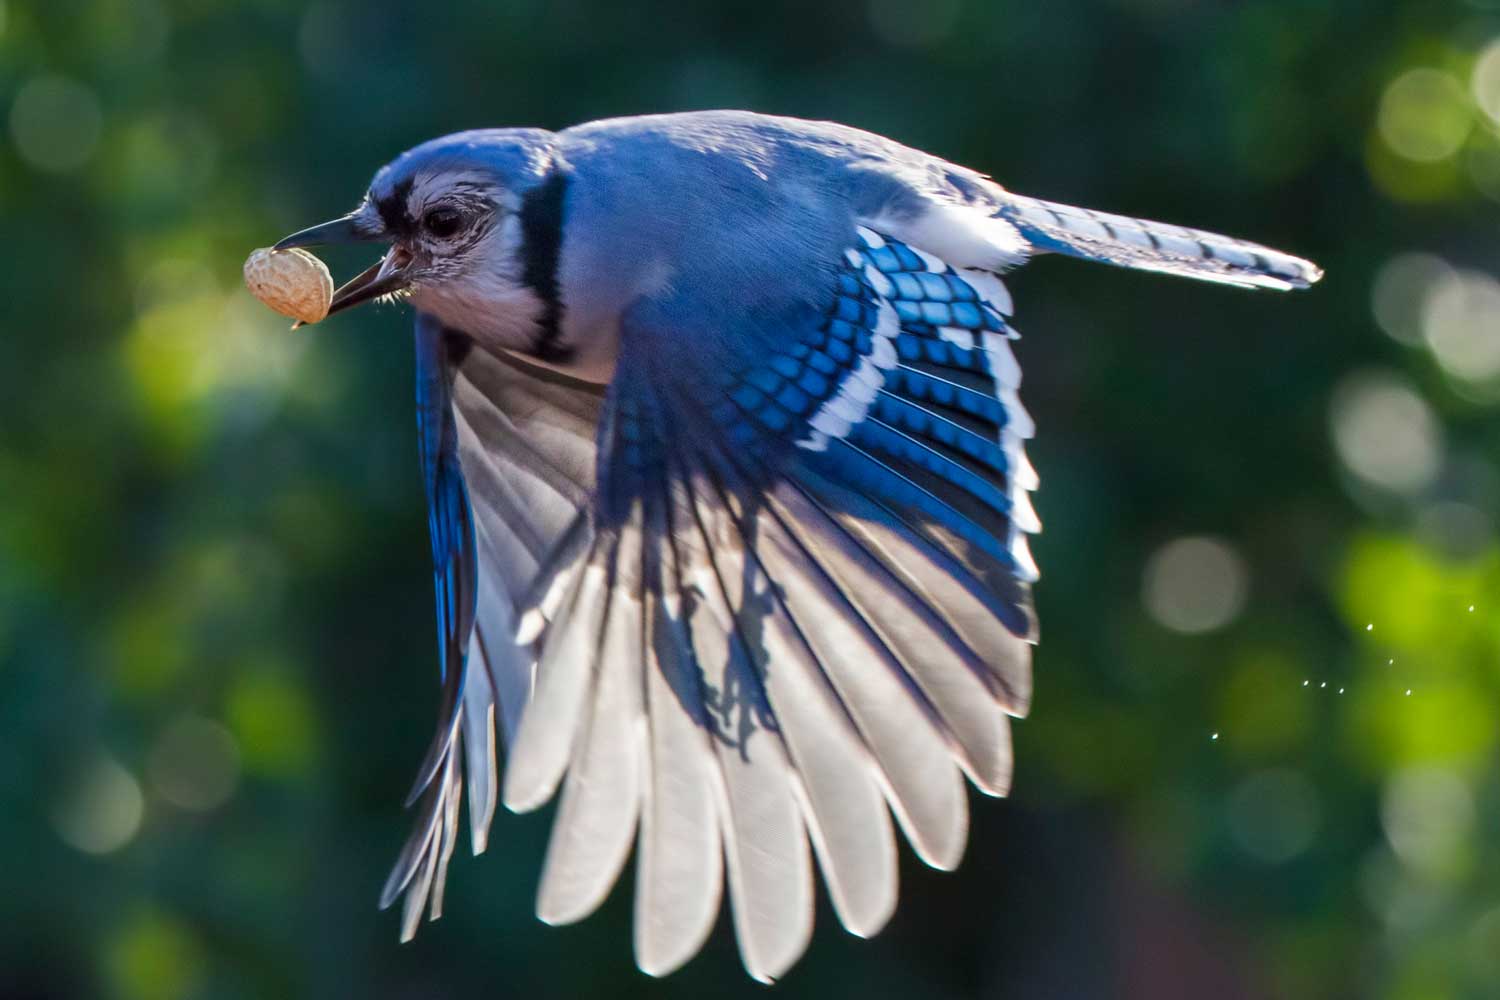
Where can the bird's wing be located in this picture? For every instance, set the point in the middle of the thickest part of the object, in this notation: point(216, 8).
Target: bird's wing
point(803, 605)
point(508, 456)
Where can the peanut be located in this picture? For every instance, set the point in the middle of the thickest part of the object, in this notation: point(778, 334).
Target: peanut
point(293, 282)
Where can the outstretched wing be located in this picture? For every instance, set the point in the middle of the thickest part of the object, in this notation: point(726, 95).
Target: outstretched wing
point(508, 456)
point(803, 606)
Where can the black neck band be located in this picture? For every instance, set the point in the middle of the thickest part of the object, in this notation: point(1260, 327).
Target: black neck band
point(541, 247)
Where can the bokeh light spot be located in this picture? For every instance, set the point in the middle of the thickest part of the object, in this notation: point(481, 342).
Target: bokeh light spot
point(102, 809)
point(1395, 896)
point(1485, 81)
point(1425, 115)
point(273, 722)
point(147, 644)
point(1461, 323)
point(1419, 615)
point(154, 957)
point(165, 159)
point(1427, 813)
point(1398, 298)
point(1274, 815)
point(172, 280)
point(56, 123)
point(194, 764)
point(1261, 706)
point(1385, 433)
point(1195, 585)
point(193, 358)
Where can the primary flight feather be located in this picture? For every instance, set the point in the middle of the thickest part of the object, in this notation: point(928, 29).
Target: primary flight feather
point(724, 456)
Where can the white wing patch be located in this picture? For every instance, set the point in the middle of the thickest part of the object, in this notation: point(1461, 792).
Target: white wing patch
point(962, 235)
point(838, 416)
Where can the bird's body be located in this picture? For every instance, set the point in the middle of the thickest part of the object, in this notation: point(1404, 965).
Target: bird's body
point(722, 441)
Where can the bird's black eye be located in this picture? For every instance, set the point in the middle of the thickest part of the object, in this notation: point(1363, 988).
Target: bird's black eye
point(443, 222)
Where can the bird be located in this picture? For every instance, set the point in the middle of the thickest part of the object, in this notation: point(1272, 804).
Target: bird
point(724, 455)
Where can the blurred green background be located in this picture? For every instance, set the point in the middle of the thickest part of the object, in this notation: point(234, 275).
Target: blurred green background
point(1263, 759)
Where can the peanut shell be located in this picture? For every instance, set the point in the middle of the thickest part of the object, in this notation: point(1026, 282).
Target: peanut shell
point(293, 282)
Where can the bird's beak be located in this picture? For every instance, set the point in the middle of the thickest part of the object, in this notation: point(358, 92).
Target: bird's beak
point(348, 229)
point(384, 277)
point(390, 274)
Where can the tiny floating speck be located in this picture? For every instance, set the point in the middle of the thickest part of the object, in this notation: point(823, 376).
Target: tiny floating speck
point(1306, 683)
point(1215, 736)
point(1408, 692)
point(1370, 627)
point(1324, 684)
point(1471, 607)
point(1341, 690)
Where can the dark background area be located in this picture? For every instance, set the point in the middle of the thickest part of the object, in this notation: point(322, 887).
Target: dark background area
point(217, 666)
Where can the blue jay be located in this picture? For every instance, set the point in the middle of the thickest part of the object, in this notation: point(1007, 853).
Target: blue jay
point(729, 502)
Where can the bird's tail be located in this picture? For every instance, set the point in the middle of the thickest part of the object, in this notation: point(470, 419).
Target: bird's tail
point(1154, 246)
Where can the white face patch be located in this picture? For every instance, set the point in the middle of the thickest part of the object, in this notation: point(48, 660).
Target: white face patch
point(459, 186)
point(481, 292)
point(472, 280)
point(478, 203)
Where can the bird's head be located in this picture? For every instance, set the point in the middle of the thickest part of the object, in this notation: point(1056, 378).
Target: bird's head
point(452, 212)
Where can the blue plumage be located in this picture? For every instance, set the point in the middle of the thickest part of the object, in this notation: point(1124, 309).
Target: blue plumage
point(449, 517)
point(724, 454)
point(455, 567)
